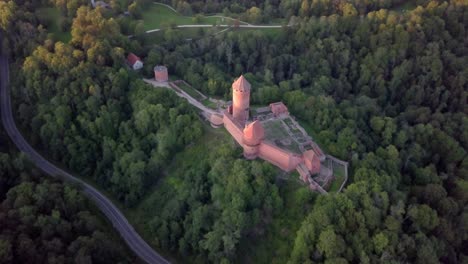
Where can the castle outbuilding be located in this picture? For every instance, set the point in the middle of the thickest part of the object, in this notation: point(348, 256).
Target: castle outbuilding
point(160, 73)
point(134, 61)
point(279, 109)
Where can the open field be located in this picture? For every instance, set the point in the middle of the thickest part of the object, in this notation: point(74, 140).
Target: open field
point(184, 33)
point(160, 16)
point(52, 18)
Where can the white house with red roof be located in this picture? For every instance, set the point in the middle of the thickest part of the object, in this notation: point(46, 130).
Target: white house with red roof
point(134, 61)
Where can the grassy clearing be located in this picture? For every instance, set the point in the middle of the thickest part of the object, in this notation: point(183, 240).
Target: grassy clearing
point(209, 104)
point(160, 16)
point(276, 244)
point(52, 19)
point(290, 124)
point(406, 6)
point(190, 90)
point(338, 172)
point(183, 33)
point(275, 132)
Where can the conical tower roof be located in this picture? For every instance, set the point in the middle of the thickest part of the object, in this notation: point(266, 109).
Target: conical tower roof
point(254, 133)
point(241, 84)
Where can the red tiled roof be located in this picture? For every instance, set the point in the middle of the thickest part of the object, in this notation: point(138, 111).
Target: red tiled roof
point(132, 59)
point(278, 108)
point(241, 84)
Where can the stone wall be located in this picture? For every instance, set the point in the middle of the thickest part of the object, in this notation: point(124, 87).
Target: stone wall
point(287, 161)
point(232, 127)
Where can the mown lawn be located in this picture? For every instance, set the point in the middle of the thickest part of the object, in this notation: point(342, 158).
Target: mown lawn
point(338, 172)
point(52, 19)
point(209, 104)
point(160, 16)
point(191, 91)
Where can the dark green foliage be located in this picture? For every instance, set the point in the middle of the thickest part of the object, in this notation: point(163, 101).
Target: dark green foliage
point(91, 114)
point(45, 221)
point(212, 201)
point(385, 91)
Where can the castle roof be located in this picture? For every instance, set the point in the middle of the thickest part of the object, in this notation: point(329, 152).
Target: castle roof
point(254, 133)
point(160, 68)
point(241, 84)
point(278, 108)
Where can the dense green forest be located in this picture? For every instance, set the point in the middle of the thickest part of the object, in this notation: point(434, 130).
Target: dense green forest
point(45, 221)
point(383, 89)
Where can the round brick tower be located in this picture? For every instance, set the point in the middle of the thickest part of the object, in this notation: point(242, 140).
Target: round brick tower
point(252, 138)
point(241, 100)
point(160, 73)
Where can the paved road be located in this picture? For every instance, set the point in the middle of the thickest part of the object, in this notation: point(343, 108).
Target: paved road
point(223, 26)
point(118, 220)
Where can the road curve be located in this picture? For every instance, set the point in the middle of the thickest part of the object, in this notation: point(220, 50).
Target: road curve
point(118, 220)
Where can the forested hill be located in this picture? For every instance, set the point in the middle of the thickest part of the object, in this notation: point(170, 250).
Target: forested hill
point(45, 221)
point(385, 90)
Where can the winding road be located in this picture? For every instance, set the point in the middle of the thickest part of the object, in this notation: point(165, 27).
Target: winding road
point(118, 220)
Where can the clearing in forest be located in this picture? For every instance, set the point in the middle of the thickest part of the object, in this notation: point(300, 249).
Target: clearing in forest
point(52, 19)
point(160, 16)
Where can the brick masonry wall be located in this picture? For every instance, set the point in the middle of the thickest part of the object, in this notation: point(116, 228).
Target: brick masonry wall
point(232, 128)
point(283, 159)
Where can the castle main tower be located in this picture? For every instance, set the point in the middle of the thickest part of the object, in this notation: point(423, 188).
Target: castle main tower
point(241, 100)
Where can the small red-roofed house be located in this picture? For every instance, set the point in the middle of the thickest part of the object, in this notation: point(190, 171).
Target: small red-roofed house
point(278, 108)
point(134, 61)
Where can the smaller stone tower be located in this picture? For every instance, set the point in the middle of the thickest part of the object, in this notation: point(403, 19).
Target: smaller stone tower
point(241, 100)
point(252, 138)
point(160, 73)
